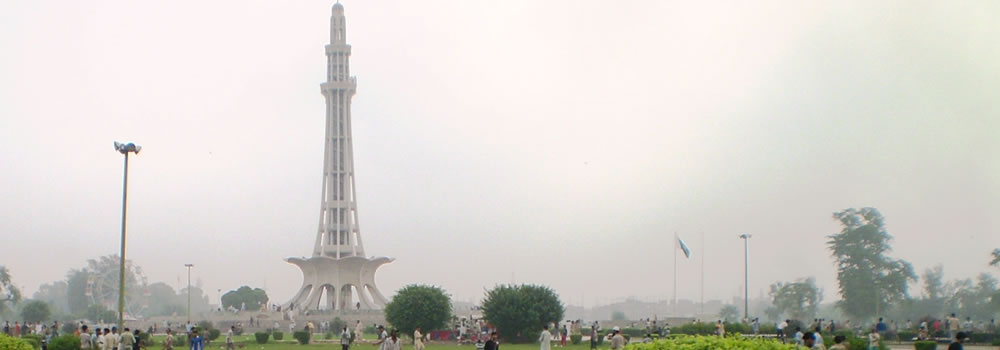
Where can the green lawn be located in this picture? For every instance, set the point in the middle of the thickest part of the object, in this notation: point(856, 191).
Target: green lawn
point(288, 344)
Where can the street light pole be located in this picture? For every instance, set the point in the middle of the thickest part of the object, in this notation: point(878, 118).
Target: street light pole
point(189, 266)
point(746, 276)
point(125, 149)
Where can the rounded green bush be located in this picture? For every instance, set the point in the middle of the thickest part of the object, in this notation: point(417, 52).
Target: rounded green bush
point(11, 343)
point(65, 342)
point(925, 345)
point(35, 340)
point(301, 336)
point(575, 338)
point(214, 334)
point(261, 337)
point(277, 335)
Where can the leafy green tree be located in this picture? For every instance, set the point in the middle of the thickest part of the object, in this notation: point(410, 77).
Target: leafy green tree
point(799, 300)
point(973, 298)
point(55, 295)
point(729, 313)
point(253, 298)
point(9, 294)
point(868, 279)
point(99, 313)
point(164, 301)
point(520, 311)
point(996, 258)
point(618, 315)
point(35, 311)
point(427, 307)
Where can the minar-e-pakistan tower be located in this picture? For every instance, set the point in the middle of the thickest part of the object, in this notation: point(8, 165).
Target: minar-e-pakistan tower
point(338, 266)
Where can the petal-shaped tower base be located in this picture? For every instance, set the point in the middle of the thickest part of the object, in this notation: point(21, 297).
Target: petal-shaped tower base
point(348, 283)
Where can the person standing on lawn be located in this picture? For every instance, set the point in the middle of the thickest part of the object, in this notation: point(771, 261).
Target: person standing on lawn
point(957, 344)
point(229, 339)
point(359, 330)
point(418, 339)
point(345, 339)
point(493, 343)
point(545, 338)
point(168, 341)
point(197, 343)
point(126, 340)
point(85, 340)
point(593, 337)
point(617, 340)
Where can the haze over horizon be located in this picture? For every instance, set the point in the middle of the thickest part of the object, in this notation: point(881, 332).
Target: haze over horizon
point(560, 143)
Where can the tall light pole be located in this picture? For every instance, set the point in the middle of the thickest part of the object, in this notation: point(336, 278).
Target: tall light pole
point(746, 275)
point(189, 266)
point(125, 149)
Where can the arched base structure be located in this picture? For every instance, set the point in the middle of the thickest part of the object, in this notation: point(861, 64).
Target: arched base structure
point(336, 277)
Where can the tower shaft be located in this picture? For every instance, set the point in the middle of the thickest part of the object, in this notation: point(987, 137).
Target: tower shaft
point(339, 234)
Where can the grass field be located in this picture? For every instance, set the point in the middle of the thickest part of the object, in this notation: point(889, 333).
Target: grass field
point(248, 343)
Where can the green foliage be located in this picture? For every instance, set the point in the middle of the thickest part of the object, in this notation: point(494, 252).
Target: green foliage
point(35, 311)
point(214, 334)
point(11, 343)
point(575, 338)
point(65, 342)
point(729, 313)
point(204, 325)
point(925, 345)
point(34, 339)
point(277, 335)
point(996, 257)
point(301, 336)
point(695, 328)
point(252, 297)
point(338, 324)
point(97, 313)
point(328, 335)
point(711, 343)
point(261, 337)
point(427, 307)
point(8, 291)
point(520, 311)
point(618, 315)
point(799, 300)
point(68, 327)
point(869, 280)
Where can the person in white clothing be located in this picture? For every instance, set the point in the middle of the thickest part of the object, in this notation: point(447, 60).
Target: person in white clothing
point(545, 339)
point(392, 342)
point(418, 340)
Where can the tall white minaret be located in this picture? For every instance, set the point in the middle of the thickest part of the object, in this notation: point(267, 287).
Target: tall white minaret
point(339, 234)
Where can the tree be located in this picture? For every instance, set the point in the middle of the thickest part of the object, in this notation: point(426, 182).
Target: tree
point(729, 312)
point(252, 298)
point(973, 298)
point(426, 307)
point(799, 300)
point(618, 315)
point(35, 311)
point(55, 295)
point(868, 279)
point(996, 258)
point(8, 291)
point(519, 311)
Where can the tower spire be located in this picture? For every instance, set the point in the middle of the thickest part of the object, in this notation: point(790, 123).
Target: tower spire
point(339, 234)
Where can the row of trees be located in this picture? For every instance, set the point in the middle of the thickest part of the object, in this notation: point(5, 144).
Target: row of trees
point(518, 311)
point(872, 284)
point(91, 291)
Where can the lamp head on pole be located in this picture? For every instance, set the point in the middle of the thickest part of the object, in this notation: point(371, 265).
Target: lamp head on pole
point(125, 148)
point(746, 236)
point(189, 265)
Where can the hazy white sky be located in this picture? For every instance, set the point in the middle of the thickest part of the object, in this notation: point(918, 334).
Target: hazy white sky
point(553, 142)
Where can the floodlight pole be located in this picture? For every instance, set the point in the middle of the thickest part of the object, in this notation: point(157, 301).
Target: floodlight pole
point(124, 149)
point(189, 266)
point(746, 276)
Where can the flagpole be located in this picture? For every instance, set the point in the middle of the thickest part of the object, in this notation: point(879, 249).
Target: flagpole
point(703, 251)
point(675, 274)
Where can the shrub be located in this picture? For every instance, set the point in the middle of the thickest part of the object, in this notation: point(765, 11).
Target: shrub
point(214, 334)
point(11, 343)
point(418, 306)
point(518, 311)
point(69, 327)
point(925, 345)
point(262, 337)
point(702, 342)
point(35, 340)
point(370, 330)
point(575, 338)
point(301, 336)
point(65, 342)
point(337, 324)
point(277, 335)
point(204, 325)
